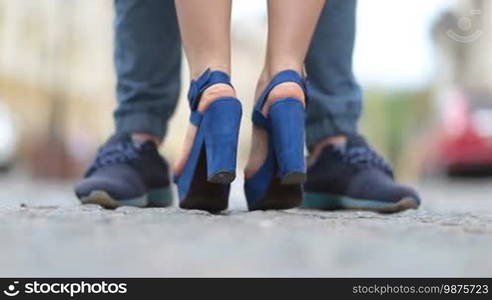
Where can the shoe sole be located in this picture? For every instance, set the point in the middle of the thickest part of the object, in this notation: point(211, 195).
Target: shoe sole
point(294, 178)
point(162, 197)
point(155, 198)
point(334, 202)
point(205, 194)
point(222, 177)
point(279, 196)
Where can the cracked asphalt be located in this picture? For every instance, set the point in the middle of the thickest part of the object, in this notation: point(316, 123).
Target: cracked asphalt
point(44, 232)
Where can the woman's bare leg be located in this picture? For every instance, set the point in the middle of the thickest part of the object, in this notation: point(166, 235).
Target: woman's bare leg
point(291, 24)
point(205, 31)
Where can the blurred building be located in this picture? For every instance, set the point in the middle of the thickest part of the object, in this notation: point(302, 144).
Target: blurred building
point(56, 72)
point(57, 79)
point(57, 47)
point(463, 40)
point(462, 143)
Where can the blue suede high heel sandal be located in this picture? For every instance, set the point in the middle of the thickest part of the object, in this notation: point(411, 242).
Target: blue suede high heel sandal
point(278, 182)
point(205, 180)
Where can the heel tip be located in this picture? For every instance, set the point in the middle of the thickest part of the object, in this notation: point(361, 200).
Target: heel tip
point(222, 177)
point(293, 178)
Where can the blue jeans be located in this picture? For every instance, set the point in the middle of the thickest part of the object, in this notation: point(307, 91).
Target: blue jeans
point(148, 60)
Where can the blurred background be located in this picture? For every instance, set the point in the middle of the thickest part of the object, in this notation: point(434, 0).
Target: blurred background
point(425, 67)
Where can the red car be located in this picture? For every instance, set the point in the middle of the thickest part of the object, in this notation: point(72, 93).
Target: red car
point(464, 142)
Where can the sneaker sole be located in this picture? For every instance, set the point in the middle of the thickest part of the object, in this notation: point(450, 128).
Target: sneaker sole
point(334, 202)
point(155, 198)
point(160, 197)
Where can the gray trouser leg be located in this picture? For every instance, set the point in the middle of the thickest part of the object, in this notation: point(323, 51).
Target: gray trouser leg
point(147, 60)
point(335, 96)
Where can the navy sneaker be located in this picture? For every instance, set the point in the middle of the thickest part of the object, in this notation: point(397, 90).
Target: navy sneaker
point(353, 176)
point(126, 173)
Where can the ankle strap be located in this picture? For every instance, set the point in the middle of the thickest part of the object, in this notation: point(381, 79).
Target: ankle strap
point(281, 77)
point(204, 81)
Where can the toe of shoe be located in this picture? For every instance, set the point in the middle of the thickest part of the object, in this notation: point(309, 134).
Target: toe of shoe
point(376, 185)
point(403, 192)
point(116, 189)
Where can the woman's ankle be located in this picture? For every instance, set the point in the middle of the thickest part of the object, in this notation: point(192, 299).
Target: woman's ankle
point(199, 69)
point(213, 93)
point(281, 91)
point(272, 69)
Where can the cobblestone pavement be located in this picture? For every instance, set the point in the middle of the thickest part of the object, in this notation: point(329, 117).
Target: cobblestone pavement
point(44, 232)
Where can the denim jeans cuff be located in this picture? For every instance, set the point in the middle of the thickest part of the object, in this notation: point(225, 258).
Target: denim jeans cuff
point(318, 131)
point(142, 122)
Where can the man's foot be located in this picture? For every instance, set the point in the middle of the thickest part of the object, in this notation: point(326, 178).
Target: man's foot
point(352, 176)
point(126, 172)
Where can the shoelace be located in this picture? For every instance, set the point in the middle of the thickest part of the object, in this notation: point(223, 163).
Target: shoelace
point(120, 152)
point(362, 157)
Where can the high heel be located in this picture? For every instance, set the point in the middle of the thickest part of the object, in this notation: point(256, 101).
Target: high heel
point(205, 180)
point(278, 182)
